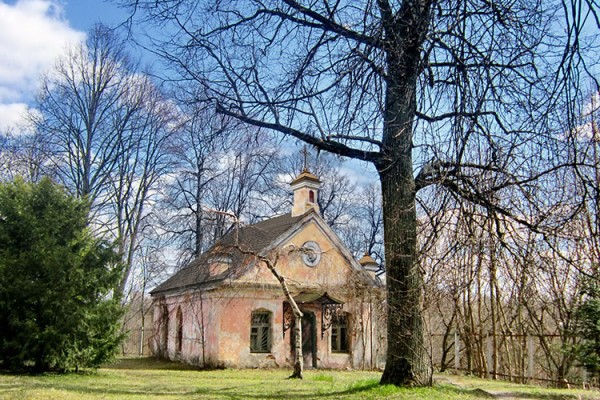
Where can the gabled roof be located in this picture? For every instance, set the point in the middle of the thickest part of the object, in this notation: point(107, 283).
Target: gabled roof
point(252, 238)
point(256, 237)
point(240, 246)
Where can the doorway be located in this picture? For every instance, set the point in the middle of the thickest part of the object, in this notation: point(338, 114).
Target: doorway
point(309, 340)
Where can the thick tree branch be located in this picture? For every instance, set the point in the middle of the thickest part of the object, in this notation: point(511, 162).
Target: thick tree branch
point(322, 144)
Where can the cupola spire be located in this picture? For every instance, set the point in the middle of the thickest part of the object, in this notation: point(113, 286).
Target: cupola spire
point(306, 190)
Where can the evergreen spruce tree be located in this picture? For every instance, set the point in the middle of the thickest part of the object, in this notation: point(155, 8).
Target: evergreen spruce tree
point(588, 327)
point(57, 312)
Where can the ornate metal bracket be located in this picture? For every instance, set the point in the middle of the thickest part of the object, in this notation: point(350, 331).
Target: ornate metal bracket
point(288, 316)
point(328, 312)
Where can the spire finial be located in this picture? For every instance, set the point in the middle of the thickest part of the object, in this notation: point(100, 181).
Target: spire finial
point(304, 152)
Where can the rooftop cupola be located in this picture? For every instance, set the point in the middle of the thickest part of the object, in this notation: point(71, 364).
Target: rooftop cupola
point(369, 264)
point(306, 193)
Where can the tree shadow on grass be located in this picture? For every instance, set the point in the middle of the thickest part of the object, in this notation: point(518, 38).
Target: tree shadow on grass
point(269, 389)
point(361, 389)
point(539, 396)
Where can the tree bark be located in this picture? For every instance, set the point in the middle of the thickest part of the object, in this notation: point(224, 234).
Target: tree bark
point(406, 357)
point(299, 357)
point(407, 361)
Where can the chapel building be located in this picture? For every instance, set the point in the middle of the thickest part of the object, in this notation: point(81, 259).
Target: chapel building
point(226, 308)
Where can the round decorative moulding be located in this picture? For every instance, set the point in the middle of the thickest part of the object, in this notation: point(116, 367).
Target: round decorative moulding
point(311, 253)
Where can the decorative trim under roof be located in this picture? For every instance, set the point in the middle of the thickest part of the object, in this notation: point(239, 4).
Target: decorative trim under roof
point(316, 298)
point(305, 175)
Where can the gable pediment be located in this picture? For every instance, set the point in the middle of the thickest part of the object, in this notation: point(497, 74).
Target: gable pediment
point(293, 251)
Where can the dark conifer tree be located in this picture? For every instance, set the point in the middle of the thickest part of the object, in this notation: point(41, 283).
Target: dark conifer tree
point(56, 281)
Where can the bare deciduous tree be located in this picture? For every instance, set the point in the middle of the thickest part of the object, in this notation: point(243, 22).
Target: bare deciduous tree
point(102, 128)
point(144, 159)
point(455, 95)
point(219, 165)
point(85, 109)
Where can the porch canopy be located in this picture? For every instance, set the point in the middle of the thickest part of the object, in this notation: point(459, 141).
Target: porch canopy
point(330, 307)
point(322, 298)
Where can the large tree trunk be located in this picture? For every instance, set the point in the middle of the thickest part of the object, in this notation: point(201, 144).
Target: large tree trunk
point(407, 360)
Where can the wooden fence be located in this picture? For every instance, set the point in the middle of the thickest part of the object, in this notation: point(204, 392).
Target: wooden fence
point(517, 358)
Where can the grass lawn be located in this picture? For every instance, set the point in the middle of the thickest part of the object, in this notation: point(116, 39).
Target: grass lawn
point(506, 390)
point(149, 379)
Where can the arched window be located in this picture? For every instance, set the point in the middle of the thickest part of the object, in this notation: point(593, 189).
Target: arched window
point(179, 336)
point(339, 334)
point(260, 332)
point(311, 196)
point(165, 331)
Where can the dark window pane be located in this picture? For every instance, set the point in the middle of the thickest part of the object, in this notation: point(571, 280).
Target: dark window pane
point(260, 332)
point(339, 335)
point(343, 339)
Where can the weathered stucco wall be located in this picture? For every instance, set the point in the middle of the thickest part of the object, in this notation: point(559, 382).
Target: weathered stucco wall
point(216, 331)
point(234, 338)
point(200, 328)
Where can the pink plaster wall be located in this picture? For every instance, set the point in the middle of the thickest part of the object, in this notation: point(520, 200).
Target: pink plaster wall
point(227, 319)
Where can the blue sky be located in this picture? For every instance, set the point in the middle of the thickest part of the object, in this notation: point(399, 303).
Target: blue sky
point(33, 33)
point(82, 14)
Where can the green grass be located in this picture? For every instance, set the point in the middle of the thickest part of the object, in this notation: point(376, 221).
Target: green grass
point(150, 379)
point(507, 390)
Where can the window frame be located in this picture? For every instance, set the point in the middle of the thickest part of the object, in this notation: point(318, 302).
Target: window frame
point(340, 338)
point(260, 329)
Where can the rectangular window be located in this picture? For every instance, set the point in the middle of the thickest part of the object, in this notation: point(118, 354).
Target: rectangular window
point(260, 332)
point(339, 335)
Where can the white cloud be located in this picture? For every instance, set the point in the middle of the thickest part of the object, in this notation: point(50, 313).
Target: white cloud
point(33, 33)
point(591, 111)
point(592, 108)
point(11, 115)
